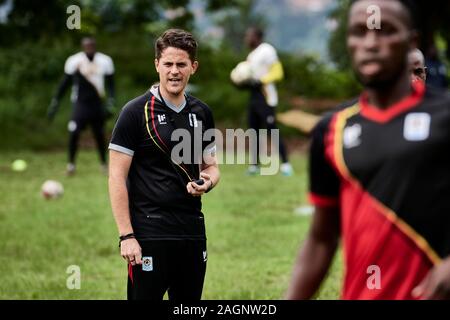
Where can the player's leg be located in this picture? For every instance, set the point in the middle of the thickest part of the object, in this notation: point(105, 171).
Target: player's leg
point(75, 127)
point(270, 123)
point(254, 123)
point(187, 270)
point(149, 281)
point(98, 125)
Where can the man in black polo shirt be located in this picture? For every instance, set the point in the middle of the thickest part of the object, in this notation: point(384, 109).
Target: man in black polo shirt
point(156, 199)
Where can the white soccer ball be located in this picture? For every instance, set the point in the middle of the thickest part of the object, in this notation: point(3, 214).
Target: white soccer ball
point(241, 73)
point(52, 189)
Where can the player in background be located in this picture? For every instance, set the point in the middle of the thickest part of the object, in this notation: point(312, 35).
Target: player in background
point(379, 174)
point(416, 61)
point(267, 70)
point(89, 72)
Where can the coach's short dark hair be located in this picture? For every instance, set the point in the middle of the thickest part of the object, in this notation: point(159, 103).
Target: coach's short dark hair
point(411, 6)
point(176, 38)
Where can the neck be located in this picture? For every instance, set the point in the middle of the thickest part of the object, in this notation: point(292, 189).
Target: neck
point(256, 45)
point(389, 95)
point(176, 100)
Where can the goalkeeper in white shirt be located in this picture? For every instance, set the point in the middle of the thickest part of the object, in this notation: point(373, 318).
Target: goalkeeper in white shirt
point(267, 70)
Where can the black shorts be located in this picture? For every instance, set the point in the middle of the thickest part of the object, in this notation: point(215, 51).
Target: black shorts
point(176, 266)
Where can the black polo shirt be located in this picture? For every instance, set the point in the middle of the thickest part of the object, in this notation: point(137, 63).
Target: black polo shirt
point(160, 206)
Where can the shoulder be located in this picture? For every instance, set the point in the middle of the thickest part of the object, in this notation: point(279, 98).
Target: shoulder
point(103, 57)
point(72, 62)
point(324, 123)
point(136, 105)
point(75, 57)
point(267, 46)
point(440, 97)
point(198, 105)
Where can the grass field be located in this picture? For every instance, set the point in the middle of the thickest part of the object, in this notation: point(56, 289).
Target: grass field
point(253, 233)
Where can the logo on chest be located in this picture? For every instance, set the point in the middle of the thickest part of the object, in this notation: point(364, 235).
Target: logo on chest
point(417, 126)
point(193, 120)
point(352, 136)
point(162, 119)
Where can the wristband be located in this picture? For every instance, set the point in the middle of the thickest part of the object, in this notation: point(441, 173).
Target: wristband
point(125, 237)
point(210, 187)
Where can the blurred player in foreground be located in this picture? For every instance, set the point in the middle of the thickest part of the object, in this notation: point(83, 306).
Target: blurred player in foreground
point(379, 174)
point(89, 72)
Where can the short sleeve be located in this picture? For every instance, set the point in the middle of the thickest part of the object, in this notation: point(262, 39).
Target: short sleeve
point(324, 183)
point(125, 136)
point(71, 65)
point(109, 66)
point(270, 55)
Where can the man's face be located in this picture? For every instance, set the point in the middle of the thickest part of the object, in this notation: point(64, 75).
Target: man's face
point(174, 68)
point(251, 39)
point(89, 47)
point(379, 57)
point(417, 68)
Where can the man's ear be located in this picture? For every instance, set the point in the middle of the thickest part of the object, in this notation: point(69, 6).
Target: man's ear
point(194, 67)
point(157, 65)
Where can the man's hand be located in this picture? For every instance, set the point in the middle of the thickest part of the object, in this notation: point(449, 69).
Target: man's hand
point(198, 190)
point(131, 251)
point(436, 284)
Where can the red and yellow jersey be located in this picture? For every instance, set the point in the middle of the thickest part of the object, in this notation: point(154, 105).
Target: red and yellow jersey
point(389, 173)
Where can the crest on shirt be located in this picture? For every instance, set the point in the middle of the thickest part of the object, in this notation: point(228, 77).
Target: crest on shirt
point(147, 263)
point(193, 120)
point(162, 119)
point(417, 126)
point(352, 136)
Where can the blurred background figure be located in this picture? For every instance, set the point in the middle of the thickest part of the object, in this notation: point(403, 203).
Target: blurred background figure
point(89, 72)
point(436, 70)
point(417, 64)
point(267, 70)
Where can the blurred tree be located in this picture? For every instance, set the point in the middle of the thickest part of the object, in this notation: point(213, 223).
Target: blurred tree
point(234, 17)
point(337, 47)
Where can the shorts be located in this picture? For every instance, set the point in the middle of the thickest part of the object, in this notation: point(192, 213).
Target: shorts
point(175, 266)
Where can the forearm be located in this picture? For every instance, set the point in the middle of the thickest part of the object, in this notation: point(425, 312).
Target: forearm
point(120, 205)
point(63, 86)
point(275, 73)
point(213, 172)
point(110, 86)
point(312, 264)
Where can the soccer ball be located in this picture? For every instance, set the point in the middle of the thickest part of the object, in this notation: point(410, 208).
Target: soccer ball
point(52, 189)
point(241, 73)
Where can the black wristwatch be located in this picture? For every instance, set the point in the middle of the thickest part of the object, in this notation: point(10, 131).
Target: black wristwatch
point(210, 187)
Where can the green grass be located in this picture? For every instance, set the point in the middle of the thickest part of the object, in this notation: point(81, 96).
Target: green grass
point(253, 233)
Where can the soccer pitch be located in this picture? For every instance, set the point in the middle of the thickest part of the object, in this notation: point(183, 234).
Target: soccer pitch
point(252, 229)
